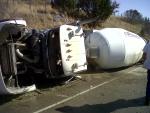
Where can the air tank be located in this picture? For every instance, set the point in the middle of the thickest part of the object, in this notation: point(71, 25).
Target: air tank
point(113, 48)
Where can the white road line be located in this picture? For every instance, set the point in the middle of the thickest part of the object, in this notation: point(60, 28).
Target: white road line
point(69, 98)
point(134, 70)
point(74, 96)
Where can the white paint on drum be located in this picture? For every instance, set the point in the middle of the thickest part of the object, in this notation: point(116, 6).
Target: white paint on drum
point(116, 47)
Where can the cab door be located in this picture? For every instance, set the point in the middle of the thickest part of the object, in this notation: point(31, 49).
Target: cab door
point(72, 46)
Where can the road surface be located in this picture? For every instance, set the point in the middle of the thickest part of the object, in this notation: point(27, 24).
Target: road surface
point(113, 91)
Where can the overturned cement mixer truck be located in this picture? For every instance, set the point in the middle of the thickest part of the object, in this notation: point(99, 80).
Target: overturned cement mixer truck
point(26, 54)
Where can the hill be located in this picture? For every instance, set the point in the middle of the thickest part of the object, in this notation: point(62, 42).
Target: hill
point(41, 15)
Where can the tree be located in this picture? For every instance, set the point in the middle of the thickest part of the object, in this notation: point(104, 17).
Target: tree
point(133, 16)
point(92, 8)
point(146, 20)
point(104, 8)
point(68, 5)
point(145, 30)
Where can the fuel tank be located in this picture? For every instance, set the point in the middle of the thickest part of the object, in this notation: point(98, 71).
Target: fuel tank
point(113, 48)
point(12, 21)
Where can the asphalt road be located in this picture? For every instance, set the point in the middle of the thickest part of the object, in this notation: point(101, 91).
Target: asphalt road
point(113, 91)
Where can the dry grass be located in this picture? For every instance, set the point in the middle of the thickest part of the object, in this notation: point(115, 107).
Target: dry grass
point(116, 22)
point(36, 15)
point(39, 16)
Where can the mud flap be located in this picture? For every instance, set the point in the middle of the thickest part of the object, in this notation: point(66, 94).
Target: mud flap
point(13, 90)
point(72, 49)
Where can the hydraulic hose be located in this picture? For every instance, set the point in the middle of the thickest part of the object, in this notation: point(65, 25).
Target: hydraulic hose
point(20, 55)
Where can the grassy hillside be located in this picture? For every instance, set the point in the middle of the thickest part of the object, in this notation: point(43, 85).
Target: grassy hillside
point(41, 15)
point(36, 15)
point(118, 22)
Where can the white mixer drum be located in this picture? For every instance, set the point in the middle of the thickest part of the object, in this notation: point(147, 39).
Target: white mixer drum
point(114, 47)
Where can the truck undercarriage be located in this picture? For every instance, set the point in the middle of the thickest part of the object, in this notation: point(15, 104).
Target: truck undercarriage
point(26, 54)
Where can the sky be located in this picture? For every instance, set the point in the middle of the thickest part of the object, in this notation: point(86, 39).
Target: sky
point(142, 6)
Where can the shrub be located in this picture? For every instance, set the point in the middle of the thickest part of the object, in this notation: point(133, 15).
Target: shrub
point(96, 8)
